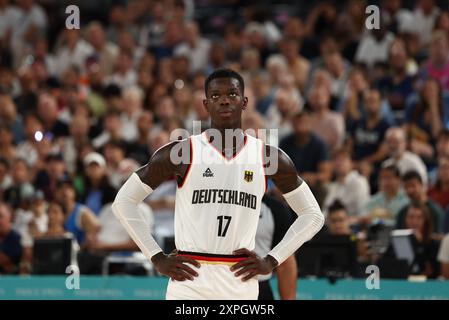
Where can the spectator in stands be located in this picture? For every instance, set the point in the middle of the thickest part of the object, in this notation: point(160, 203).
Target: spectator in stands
point(10, 247)
point(47, 179)
point(33, 23)
point(350, 188)
point(7, 148)
point(281, 112)
point(425, 247)
point(34, 131)
point(441, 150)
point(439, 192)
point(309, 154)
point(437, 67)
point(73, 52)
point(21, 184)
point(423, 20)
point(368, 133)
point(395, 141)
point(112, 130)
point(396, 18)
point(132, 109)
point(326, 124)
point(338, 220)
point(139, 150)
point(195, 47)
point(10, 118)
point(70, 146)
point(397, 86)
point(47, 110)
point(5, 177)
point(124, 76)
point(391, 196)
point(297, 64)
point(338, 223)
point(423, 118)
point(105, 51)
point(79, 220)
point(98, 190)
point(114, 153)
point(416, 192)
point(56, 217)
point(374, 46)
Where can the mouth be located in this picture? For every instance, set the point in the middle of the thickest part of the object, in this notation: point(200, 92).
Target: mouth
point(226, 113)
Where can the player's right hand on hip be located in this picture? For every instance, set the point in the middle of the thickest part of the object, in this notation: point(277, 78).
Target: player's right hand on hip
point(174, 266)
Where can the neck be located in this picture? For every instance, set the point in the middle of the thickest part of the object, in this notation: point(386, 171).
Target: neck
point(444, 185)
point(237, 136)
point(96, 182)
point(342, 176)
point(302, 139)
point(373, 118)
point(69, 207)
point(321, 111)
point(390, 194)
point(55, 230)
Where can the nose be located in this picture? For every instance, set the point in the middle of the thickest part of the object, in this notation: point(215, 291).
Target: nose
point(224, 100)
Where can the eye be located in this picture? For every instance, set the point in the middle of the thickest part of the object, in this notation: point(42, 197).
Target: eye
point(233, 94)
point(214, 96)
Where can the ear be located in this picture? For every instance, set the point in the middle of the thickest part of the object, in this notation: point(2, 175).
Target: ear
point(205, 105)
point(245, 103)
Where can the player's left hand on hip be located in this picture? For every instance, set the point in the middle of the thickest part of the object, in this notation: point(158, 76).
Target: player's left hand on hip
point(253, 265)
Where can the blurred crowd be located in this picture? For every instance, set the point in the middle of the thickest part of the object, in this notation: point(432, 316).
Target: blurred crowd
point(363, 114)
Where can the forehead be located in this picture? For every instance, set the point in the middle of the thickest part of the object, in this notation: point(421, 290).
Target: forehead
point(413, 181)
point(224, 84)
point(337, 214)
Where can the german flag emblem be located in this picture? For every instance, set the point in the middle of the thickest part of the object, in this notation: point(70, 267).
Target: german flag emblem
point(248, 176)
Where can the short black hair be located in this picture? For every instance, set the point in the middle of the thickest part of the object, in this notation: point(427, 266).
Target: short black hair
point(443, 134)
point(393, 169)
point(224, 73)
point(301, 114)
point(412, 175)
point(337, 205)
point(4, 162)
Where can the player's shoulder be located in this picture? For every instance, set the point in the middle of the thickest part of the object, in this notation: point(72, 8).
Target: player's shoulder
point(171, 150)
point(271, 150)
point(275, 158)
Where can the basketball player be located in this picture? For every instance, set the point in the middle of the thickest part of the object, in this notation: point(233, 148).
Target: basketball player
point(218, 201)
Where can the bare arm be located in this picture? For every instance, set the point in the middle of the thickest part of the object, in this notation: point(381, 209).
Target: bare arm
point(123, 246)
point(160, 167)
point(285, 177)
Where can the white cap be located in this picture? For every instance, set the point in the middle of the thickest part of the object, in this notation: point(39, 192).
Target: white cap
point(94, 157)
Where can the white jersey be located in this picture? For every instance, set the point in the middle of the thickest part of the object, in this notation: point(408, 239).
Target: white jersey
point(219, 201)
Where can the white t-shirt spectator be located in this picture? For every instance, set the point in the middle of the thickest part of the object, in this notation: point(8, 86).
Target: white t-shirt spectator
point(353, 192)
point(35, 17)
point(22, 220)
point(423, 25)
point(124, 81)
point(198, 56)
point(408, 162)
point(371, 51)
point(77, 56)
point(129, 130)
point(8, 18)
